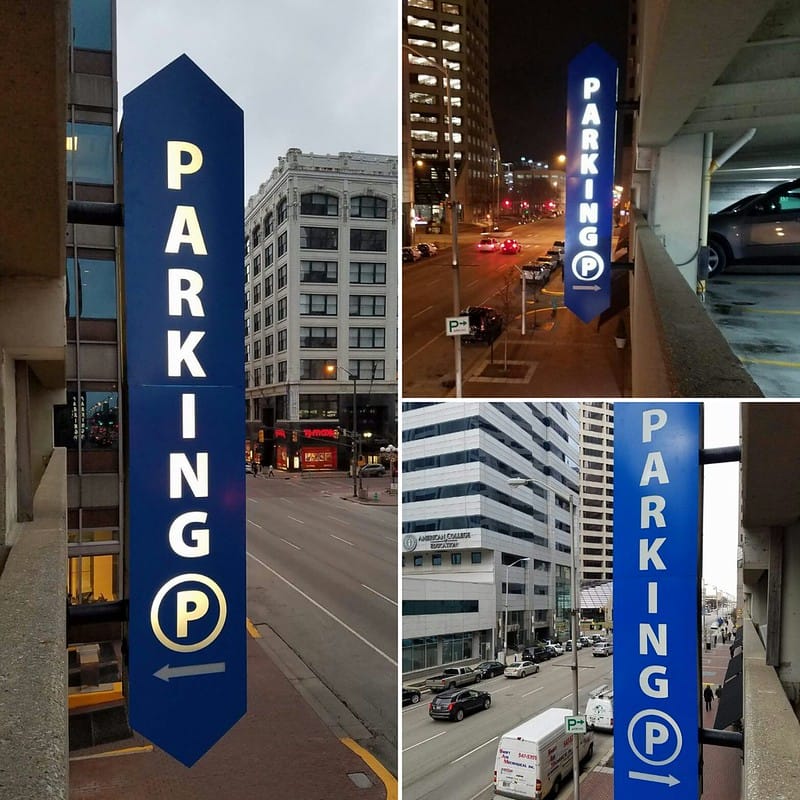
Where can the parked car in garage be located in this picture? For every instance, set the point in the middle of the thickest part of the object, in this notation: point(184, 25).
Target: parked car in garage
point(761, 227)
point(455, 704)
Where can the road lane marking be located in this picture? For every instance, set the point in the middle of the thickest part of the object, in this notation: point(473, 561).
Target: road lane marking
point(485, 788)
point(295, 519)
point(566, 697)
point(324, 610)
point(336, 519)
point(474, 750)
point(252, 630)
point(770, 362)
point(341, 540)
point(251, 500)
point(534, 691)
point(420, 313)
point(256, 524)
point(389, 781)
point(424, 347)
point(374, 591)
point(425, 741)
point(291, 544)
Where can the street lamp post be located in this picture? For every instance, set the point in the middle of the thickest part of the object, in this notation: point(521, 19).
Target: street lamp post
point(453, 208)
point(575, 615)
point(331, 369)
point(505, 611)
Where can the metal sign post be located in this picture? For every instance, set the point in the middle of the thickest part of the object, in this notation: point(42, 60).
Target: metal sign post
point(183, 184)
point(591, 134)
point(656, 549)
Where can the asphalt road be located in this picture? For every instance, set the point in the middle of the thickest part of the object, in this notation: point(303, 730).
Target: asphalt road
point(322, 573)
point(428, 299)
point(455, 760)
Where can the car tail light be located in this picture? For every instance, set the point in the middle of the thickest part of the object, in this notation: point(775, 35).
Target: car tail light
point(451, 706)
point(538, 784)
point(430, 706)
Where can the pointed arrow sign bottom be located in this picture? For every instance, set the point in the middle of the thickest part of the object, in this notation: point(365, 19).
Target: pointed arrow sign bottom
point(670, 780)
point(166, 672)
point(593, 288)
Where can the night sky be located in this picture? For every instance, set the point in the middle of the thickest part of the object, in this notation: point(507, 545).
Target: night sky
point(530, 44)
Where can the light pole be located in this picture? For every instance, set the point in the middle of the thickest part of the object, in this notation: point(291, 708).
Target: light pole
point(453, 207)
point(505, 611)
point(575, 614)
point(331, 369)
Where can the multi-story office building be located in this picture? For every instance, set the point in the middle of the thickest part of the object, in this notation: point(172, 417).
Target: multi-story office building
point(597, 491)
point(474, 545)
point(447, 42)
point(321, 309)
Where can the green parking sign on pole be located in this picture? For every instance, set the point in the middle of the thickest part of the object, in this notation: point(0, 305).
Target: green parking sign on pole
point(575, 724)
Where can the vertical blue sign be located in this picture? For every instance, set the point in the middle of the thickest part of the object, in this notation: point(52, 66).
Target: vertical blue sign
point(591, 134)
point(656, 520)
point(183, 179)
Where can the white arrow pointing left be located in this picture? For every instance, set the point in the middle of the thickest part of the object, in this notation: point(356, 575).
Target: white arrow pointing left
point(166, 672)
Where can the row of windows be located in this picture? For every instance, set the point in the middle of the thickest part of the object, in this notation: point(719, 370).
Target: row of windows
point(361, 272)
point(436, 559)
point(315, 369)
point(318, 305)
point(416, 608)
point(312, 238)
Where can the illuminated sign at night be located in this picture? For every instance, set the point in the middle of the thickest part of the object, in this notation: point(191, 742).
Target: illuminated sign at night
point(183, 188)
point(591, 131)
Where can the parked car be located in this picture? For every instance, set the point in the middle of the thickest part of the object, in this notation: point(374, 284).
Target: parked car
point(536, 653)
point(452, 678)
point(488, 244)
point(427, 249)
point(521, 669)
point(456, 703)
point(372, 471)
point(555, 649)
point(584, 641)
point(485, 324)
point(411, 696)
point(489, 669)
point(411, 254)
point(761, 227)
point(510, 246)
point(603, 649)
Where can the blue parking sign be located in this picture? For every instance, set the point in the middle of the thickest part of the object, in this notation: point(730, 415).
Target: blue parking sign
point(656, 550)
point(184, 309)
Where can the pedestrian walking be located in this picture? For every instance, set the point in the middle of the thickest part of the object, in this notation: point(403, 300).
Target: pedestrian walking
point(270, 474)
point(708, 696)
point(718, 692)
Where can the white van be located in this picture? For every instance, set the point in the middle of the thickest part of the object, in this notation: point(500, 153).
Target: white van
point(600, 708)
point(536, 756)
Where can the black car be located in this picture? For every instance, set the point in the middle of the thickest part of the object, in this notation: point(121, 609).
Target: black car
point(537, 654)
point(485, 324)
point(427, 249)
point(761, 227)
point(410, 696)
point(454, 704)
point(488, 669)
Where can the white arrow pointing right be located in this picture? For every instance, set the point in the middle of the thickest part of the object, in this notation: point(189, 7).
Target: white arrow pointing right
point(670, 780)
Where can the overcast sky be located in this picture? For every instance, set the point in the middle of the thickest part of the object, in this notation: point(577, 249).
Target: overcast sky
point(313, 74)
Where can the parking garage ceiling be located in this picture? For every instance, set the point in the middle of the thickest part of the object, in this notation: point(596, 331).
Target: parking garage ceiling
point(725, 67)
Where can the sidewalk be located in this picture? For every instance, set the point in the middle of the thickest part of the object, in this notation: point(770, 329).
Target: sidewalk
point(280, 749)
point(722, 766)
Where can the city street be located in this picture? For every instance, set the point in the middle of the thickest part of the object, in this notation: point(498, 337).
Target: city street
point(455, 760)
point(322, 575)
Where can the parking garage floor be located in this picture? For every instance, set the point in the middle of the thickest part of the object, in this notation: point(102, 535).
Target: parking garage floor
point(758, 312)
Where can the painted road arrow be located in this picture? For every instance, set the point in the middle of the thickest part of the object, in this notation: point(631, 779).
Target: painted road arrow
point(166, 672)
point(670, 780)
point(593, 288)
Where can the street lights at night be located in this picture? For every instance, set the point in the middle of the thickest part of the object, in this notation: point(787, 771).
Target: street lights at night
point(575, 614)
point(431, 62)
point(505, 611)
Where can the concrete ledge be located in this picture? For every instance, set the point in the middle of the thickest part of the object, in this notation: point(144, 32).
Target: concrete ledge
point(33, 647)
point(771, 729)
point(676, 349)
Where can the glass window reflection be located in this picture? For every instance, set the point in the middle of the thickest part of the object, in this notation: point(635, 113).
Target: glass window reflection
point(97, 294)
point(91, 24)
point(90, 153)
point(89, 417)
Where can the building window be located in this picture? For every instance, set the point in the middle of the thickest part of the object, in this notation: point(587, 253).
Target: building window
point(319, 205)
point(282, 305)
point(256, 293)
point(319, 272)
point(257, 376)
point(91, 24)
point(93, 578)
point(283, 210)
point(247, 379)
point(257, 322)
point(420, 22)
point(90, 153)
point(246, 352)
point(268, 345)
point(316, 369)
point(367, 338)
point(269, 224)
point(373, 272)
point(256, 265)
point(436, 559)
point(269, 254)
point(451, 8)
point(319, 406)
point(283, 338)
point(367, 305)
point(281, 372)
point(318, 238)
point(256, 235)
point(366, 369)
point(417, 561)
point(247, 299)
point(368, 240)
point(368, 207)
point(282, 271)
point(268, 375)
point(475, 557)
point(455, 558)
point(96, 282)
point(247, 326)
point(268, 315)
point(256, 348)
point(317, 337)
point(89, 417)
point(321, 304)
point(268, 286)
point(282, 244)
